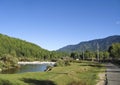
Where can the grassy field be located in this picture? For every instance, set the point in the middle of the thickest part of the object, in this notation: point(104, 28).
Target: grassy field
point(85, 73)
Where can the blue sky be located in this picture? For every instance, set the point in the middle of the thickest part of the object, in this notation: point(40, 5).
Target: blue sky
point(53, 24)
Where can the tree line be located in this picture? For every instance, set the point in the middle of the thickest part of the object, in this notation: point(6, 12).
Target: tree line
point(113, 53)
point(25, 50)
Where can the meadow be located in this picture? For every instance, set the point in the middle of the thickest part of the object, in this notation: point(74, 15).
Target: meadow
point(78, 73)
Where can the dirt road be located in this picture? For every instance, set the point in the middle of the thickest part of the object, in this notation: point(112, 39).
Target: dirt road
point(113, 74)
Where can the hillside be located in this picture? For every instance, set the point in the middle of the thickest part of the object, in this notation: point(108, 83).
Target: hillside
point(20, 48)
point(92, 44)
point(13, 50)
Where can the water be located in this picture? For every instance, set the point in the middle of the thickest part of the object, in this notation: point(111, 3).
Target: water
point(28, 68)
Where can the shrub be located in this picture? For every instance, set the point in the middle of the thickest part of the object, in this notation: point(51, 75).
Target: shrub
point(62, 63)
point(7, 61)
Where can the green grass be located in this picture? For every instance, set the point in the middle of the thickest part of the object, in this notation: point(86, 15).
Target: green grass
point(84, 73)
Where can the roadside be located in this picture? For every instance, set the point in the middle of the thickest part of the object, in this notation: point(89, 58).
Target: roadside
point(101, 80)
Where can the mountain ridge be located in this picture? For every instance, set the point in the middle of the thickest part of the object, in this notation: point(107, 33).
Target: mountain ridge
point(91, 45)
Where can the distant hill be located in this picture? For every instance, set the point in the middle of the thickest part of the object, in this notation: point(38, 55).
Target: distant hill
point(20, 48)
point(92, 44)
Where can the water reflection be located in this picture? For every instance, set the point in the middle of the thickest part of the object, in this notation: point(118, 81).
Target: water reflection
point(27, 68)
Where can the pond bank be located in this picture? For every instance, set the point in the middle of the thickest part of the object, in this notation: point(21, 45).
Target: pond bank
point(35, 66)
point(36, 62)
point(76, 73)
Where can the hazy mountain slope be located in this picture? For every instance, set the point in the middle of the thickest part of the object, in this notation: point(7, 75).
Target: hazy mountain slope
point(92, 44)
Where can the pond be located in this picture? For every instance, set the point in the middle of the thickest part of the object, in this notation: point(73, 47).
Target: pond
point(28, 68)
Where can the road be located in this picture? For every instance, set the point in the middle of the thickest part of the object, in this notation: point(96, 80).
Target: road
point(113, 74)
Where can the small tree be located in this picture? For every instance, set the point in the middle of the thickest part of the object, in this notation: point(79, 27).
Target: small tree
point(74, 55)
point(106, 56)
point(114, 51)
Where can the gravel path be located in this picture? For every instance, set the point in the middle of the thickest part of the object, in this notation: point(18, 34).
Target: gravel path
point(113, 74)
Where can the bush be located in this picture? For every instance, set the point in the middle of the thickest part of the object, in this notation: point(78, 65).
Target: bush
point(1, 64)
point(7, 61)
point(62, 63)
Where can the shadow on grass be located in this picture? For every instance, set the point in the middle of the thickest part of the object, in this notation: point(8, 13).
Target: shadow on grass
point(93, 65)
point(77, 83)
point(5, 82)
point(38, 82)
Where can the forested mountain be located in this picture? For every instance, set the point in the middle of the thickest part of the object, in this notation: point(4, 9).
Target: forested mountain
point(92, 45)
point(23, 49)
point(19, 48)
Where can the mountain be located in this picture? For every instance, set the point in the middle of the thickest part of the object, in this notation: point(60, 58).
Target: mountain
point(20, 48)
point(92, 45)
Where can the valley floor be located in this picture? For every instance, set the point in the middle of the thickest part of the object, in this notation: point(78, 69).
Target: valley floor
point(83, 73)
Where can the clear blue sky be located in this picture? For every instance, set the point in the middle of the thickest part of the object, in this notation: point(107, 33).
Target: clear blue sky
point(53, 24)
